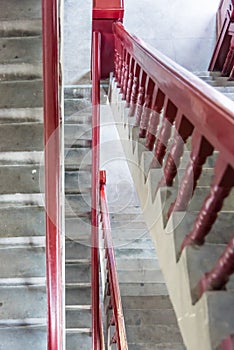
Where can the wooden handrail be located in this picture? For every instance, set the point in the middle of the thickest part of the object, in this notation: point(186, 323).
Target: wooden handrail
point(52, 172)
point(115, 298)
point(205, 107)
point(96, 331)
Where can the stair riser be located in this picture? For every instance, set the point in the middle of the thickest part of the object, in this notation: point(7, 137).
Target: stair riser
point(23, 9)
point(78, 182)
point(24, 338)
point(20, 50)
point(78, 205)
point(78, 92)
point(77, 158)
point(143, 289)
point(19, 94)
point(18, 28)
point(157, 334)
point(27, 137)
point(16, 72)
point(76, 106)
point(76, 340)
point(77, 251)
point(145, 276)
point(78, 296)
point(78, 273)
point(78, 318)
point(149, 317)
point(73, 133)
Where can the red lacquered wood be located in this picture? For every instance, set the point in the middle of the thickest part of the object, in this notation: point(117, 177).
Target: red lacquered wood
point(140, 97)
point(96, 73)
point(219, 276)
point(219, 190)
point(201, 149)
point(52, 173)
point(147, 107)
point(228, 343)
point(130, 82)
point(164, 134)
point(120, 333)
point(229, 62)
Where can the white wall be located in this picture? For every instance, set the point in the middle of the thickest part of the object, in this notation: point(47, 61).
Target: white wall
point(184, 30)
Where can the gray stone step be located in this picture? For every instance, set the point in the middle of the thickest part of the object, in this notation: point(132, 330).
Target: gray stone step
point(78, 271)
point(229, 95)
point(21, 50)
point(75, 105)
point(78, 294)
point(22, 262)
point(24, 9)
point(74, 133)
point(77, 205)
point(153, 346)
point(27, 337)
point(21, 115)
point(78, 91)
point(151, 302)
point(22, 158)
point(21, 179)
point(157, 334)
point(19, 28)
point(78, 317)
point(143, 289)
point(149, 317)
point(141, 276)
point(77, 181)
point(77, 250)
point(13, 305)
point(125, 251)
point(27, 137)
point(78, 339)
point(137, 264)
point(22, 221)
point(225, 89)
point(20, 71)
point(30, 94)
point(77, 158)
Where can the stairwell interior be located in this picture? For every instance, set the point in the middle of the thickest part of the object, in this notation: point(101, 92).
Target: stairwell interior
point(154, 289)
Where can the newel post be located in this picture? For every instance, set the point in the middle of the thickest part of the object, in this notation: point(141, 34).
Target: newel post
point(105, 13)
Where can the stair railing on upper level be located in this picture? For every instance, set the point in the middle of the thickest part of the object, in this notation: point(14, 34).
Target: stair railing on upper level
point(52, 172)
point(112, 284)
point(168, 101)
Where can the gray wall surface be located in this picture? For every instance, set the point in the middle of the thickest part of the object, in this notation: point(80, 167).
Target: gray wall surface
point(184, 30)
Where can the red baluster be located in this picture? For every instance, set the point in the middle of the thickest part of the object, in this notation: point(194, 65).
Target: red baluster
point(134, 97)
point(139, 105)
point(229, 62)
point(154, 119)
point(201, 149)
point(219, 190)
point(129, 90)
point(122, 77)
point(125, 81)
point(165, 133)
point(145, 116)
point(116, 63)
point(183, 130)
point(219, 276)
point(119, 71)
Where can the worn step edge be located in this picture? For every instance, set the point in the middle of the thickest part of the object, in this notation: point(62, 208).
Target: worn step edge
point(17, 323)
point(21, 115)
point(23, 282)
point(11, 242)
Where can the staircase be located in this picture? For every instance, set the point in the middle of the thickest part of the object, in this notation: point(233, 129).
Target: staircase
point(22, 240)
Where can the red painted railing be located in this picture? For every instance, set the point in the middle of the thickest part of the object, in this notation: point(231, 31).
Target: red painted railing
point(169, 102)
point(117, 319)
point(52, 173)
point(96, 321)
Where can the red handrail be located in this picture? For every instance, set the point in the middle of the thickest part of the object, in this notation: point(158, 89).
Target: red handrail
point(96, 331)
point(115, 298)
point(52, 172)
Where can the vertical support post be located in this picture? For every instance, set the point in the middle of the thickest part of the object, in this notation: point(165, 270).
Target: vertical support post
point(96, 340)
point(52, 172)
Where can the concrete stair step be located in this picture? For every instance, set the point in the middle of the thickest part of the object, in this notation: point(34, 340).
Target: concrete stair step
point(78, 271)
point(78, 339)
point(75, 105)
point(77, 250)
point(21, 115)
point(201, 260)
point(21, 158)
point(149, 317)
point(19, 200)
point(78, 316)
point(122, 218)
point(135, 244)
point(21, 179)
point(153, 346)
point(22, 221)
point(125, 251)
point(24, 9)
point(207, 74)
point(77, 159)
point(78, 228)
point(229, 95)
point(80, 117)
point(26, 337)
point(23, 49)
point(77, 205)
point(143, 289)
point(141, 276)
point(225, 89)
point(149, 302)
point(30, 94)
point(137, 264)
point(77, 181)
point(157, 334)
point(73, 133)
point(27, 137)
point(18, 28)
point(23, 262)
point(23, 301)
point(20, 71)
point(78, 91)
point(78, 294)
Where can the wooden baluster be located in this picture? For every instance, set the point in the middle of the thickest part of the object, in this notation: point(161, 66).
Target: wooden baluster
point(183, 129)
point(130, 83)
point(135, 88)
point(125, 81)
point(201, 149)
point(165, 133)
point(229, 62)
point(147, 107)
point(116, 64)
point(213, 203)
point(139, 105)
point(219, 276)
point(123, 71)
point(154, 119)
point(119, 71)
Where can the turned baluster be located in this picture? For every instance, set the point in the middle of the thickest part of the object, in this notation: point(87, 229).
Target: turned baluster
point(219, 276)
point(134, 96)
point(125, 82)
point(154, 119)
point(201, 149)
point(145, 116)
point(164, 135)
point(122, 77)
point(213, 203)
point(116, 64)
point(139, 105)
point(130, 83)
point(183, 129)
point(119, 71)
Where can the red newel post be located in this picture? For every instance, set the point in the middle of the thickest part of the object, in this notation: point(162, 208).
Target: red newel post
point(105, 13)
